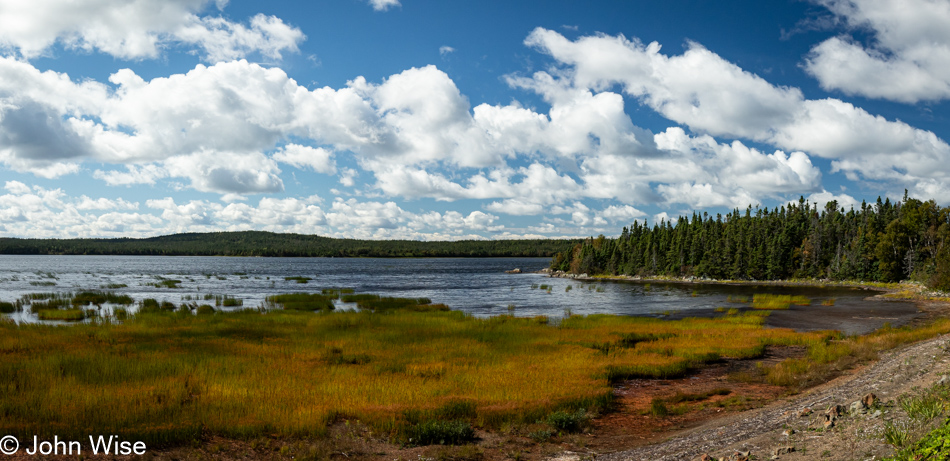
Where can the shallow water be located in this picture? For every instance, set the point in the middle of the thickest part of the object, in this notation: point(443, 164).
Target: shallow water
point(478, 286)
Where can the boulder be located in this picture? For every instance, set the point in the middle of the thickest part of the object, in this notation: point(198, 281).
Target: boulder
point(514, 271)
point(830, 423)
point(857, 407)
point(836, 411)
point(783, 450)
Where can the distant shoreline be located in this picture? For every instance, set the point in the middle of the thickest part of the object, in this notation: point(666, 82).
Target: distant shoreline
point(269, 244)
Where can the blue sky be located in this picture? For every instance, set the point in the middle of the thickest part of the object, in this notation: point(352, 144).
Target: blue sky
point(453, 120)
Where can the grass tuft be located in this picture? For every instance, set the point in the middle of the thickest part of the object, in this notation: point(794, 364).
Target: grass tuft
point(298, 279)
point(778, 302)
point(440, 432)
point(301, 302)
point(69, 315)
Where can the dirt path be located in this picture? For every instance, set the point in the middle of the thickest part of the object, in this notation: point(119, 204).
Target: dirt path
point(854, 436)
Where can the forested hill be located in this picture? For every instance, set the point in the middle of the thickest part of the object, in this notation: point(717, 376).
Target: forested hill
point(256, 243)
point(883, 241)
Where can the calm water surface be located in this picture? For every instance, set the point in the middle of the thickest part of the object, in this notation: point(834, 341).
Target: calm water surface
point(477, 286)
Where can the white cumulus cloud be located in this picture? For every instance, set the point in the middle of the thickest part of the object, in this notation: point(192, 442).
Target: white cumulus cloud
point(907, 59)
point(136, 29)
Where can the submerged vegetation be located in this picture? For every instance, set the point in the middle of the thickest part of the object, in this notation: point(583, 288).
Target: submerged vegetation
point(881, 242)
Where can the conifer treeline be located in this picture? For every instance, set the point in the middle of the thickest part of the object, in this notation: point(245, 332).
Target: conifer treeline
point(883, 242)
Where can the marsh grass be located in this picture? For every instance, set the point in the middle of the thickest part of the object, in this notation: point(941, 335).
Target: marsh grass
point(298, 279)
point(301, 302)
point(7, 308)
point(230, 301)
point(169, 378)
point(87, 298)
point(355, 298)
point(384, 304)
point(224, 300)
point(42, 302)
point(69, 315)
point(778, 302)
point(153, 305)
point(165, 283)
point(335, 293)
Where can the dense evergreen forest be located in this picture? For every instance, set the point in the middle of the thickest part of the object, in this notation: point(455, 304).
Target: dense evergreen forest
point(256, 243)
point(883, 242)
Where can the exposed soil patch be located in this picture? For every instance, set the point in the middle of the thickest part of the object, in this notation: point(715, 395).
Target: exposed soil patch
point(856, 435)
point(634, 424)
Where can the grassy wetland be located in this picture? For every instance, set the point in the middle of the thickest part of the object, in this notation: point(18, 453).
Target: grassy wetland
point(412, 371)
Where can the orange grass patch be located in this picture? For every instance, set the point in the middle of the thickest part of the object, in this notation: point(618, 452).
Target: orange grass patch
point(168, 378)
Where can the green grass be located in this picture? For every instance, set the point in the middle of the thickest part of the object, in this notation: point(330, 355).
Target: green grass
point(388, 304)
point(301, 302)
point(568, 421)
point(298, 279)
point(70, 315)
point(7, 308)
point(335, 293)
point(153, 305)
point(778, 302)
point(87, 298)
point(438, 432)
point(354, 298)
point(165, 283)
point(50, 304)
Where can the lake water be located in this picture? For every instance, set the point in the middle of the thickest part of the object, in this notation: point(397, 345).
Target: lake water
point(477, 286)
